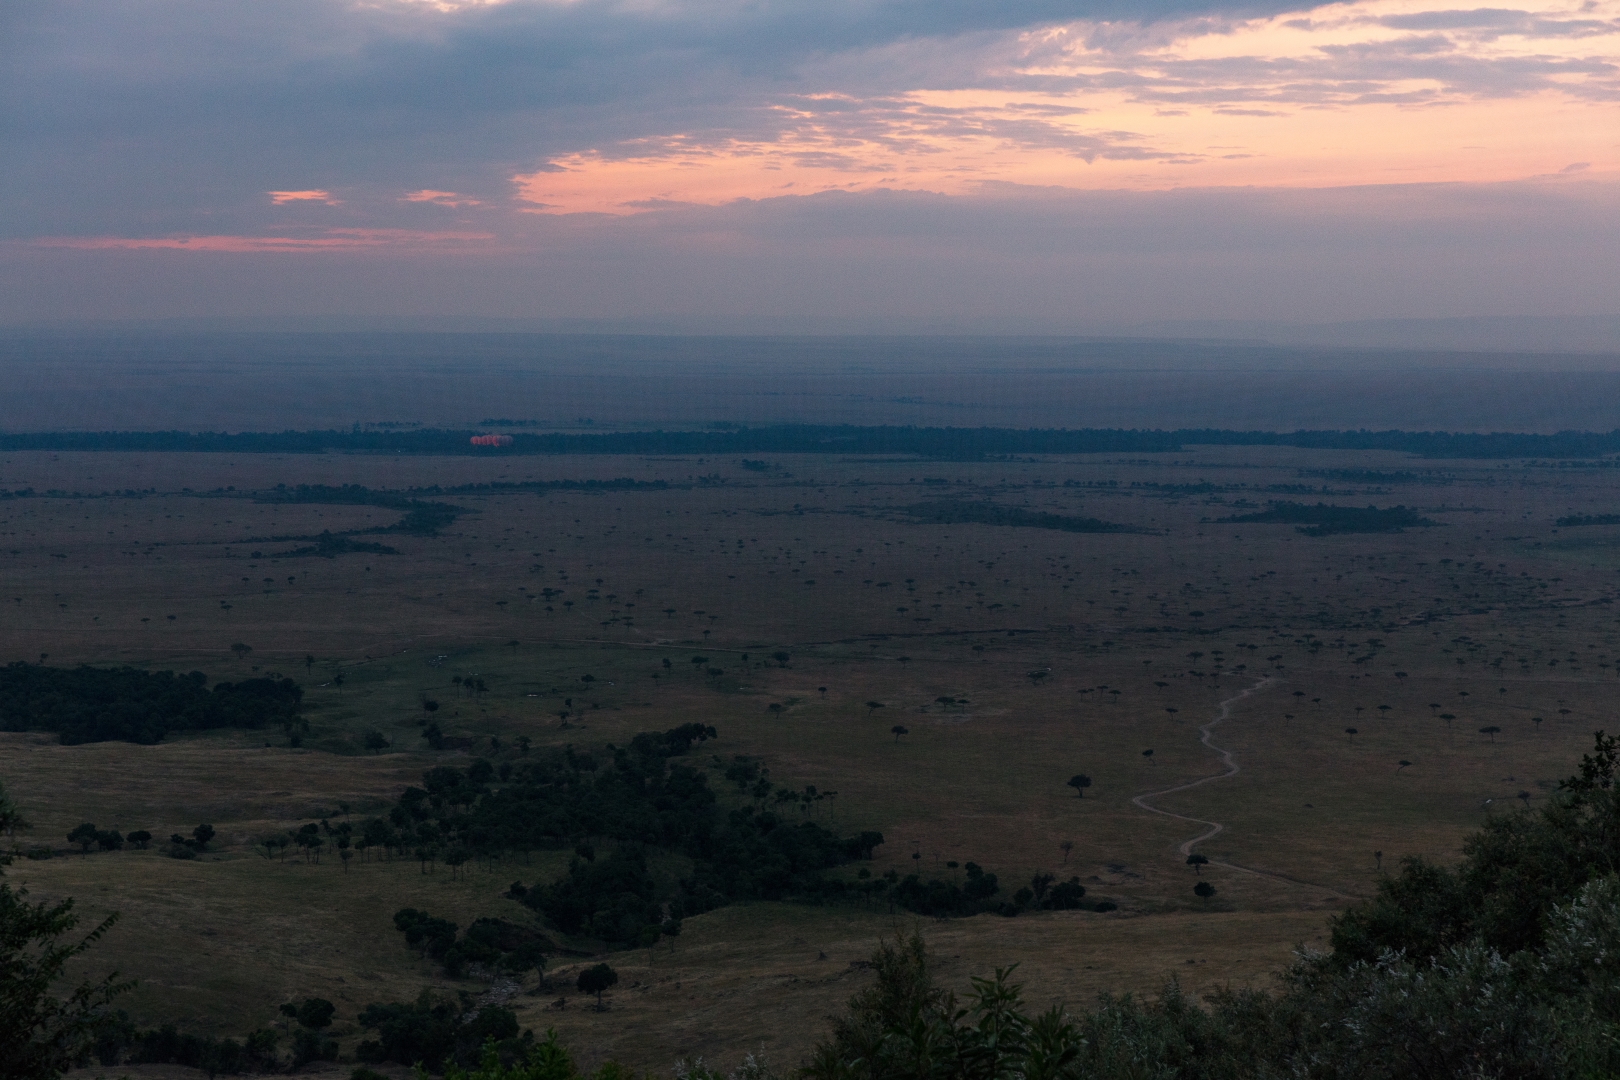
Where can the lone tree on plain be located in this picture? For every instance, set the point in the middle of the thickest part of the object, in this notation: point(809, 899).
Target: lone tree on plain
point(781, 658)
point(241, 650)
point(595, 980)
point(1352, 732)
point(84, 835)
point(1149, 755)
point(1490, 730)
point(898, 731)
point(1198, 862)
point(1079, 782)
point(873, 706)
point(1402, 764)
point(1204, 890)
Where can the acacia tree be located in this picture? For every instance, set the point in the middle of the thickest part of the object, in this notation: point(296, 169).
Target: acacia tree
point(1198, 862)
point(84, 835)
point(1079, 782)
point(595, 980)
point(898, 731)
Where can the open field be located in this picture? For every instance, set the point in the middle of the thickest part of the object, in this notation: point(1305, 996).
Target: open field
point(1015, 657)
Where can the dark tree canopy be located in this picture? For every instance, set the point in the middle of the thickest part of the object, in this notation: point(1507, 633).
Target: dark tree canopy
point(1325, 520)
point(87, 704)
point(643, 799)
point(597, 980)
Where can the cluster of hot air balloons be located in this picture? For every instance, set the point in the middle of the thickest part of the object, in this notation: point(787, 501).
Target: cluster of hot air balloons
point(492, 440)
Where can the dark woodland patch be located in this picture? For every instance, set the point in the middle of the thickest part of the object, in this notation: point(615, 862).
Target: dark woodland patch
point(87, 704)
point(1325, 520)
point(331, 545)
point(1574, 520)
point(984, 513)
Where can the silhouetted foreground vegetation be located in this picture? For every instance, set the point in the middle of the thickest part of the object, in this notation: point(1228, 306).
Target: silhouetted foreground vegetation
point(954, 444)
point(961, 512)
point(87, 704)
point(1325, 520)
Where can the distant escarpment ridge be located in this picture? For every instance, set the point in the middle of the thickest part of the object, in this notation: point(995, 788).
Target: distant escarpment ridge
point(947, 444)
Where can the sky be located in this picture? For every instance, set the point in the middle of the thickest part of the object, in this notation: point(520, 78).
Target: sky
point(1044, 165)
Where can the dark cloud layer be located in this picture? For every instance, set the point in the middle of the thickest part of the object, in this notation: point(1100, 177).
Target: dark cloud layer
point(161, 115)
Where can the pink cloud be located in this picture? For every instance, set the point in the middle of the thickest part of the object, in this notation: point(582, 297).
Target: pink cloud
point(331, 240)
point(281, 198)
point(440, 198)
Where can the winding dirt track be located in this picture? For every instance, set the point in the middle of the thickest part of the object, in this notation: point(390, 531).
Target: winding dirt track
point(1232, 769)
point(1215, 828)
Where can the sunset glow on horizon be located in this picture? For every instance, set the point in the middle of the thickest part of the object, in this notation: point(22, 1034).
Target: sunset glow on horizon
point(1376, 92)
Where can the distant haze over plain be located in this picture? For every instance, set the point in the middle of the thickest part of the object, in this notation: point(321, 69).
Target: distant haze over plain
point(178, 377)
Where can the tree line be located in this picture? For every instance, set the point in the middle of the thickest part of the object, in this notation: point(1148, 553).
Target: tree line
point(950, 444)
point(87, 704)
point(1325, 520)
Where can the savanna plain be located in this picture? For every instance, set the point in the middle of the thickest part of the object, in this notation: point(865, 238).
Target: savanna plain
point(897, 666)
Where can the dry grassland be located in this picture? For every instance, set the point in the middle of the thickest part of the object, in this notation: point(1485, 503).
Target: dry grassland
point(1493, 617)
